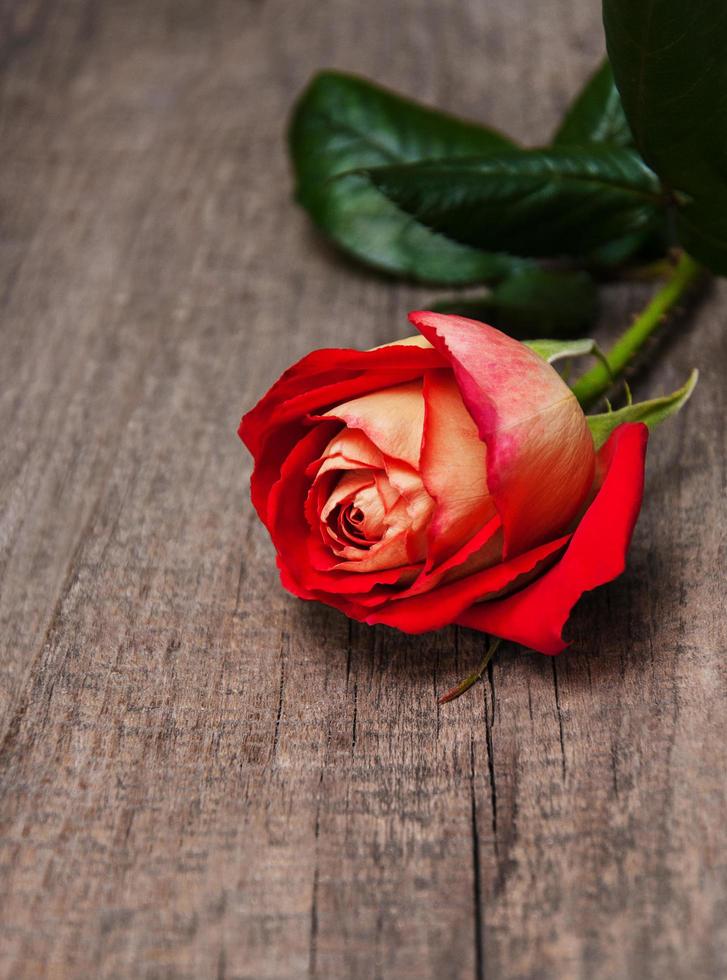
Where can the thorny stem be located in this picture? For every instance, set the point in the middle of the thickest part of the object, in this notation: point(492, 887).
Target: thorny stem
point(467, 683)
point(597, 382)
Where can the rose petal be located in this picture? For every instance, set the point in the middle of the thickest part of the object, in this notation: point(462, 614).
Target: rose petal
point(536, 616)
point(481, 551)
point(350, 449)
point(321, 379)
point(445, 605)
point(453, 468)
point(416, 340)
point(393, 419)
point(540, 456)
point(305, 563)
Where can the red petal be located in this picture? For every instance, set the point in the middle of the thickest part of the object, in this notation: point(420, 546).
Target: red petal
point(319, 381)
point(537, 615)
point(432, 610)
point(302, 557)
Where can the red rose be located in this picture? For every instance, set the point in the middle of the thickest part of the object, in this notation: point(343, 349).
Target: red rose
point(447, 478)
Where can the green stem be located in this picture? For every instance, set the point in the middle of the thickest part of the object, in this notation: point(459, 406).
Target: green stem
point(596, 382)
point(467, 683)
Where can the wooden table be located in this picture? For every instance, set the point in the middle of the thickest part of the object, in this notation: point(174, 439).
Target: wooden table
point(200, 776)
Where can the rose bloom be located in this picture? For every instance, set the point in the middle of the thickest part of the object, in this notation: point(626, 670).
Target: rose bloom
point(447, 478)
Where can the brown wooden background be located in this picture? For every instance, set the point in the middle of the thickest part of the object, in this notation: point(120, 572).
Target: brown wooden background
point(200, 776)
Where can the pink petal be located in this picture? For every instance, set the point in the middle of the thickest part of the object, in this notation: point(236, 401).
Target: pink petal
point(540, 456)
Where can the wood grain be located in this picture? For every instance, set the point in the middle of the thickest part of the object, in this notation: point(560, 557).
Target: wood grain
point(200, 776)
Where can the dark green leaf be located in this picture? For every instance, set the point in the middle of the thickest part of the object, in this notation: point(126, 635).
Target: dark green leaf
point(367, 225)
point(345, 123)
point(645, 246)
point(651, 412)
point(533, 303)
point(559, 201)
point(596, 115)
point(342, 124)
point(670, 62)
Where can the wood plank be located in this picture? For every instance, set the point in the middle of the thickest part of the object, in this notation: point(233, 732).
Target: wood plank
point(200, 776)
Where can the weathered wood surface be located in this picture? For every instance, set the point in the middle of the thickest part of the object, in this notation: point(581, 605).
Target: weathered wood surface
point(200, 776)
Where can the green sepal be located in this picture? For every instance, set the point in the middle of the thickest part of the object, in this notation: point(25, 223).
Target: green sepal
point(651, 412)
point(558, 350)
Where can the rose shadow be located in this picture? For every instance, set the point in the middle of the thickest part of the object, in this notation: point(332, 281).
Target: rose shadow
point(610, 629)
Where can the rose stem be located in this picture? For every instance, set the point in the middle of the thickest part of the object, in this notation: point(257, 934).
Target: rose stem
point(467, 683)
point(596, 382)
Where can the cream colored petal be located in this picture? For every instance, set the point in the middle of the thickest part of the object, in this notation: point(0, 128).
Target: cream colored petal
point(346, 489)
point(453, 468)
point(403, 541)
point(350, 449)
point(416, 341)
point(393, 419)
point(373, 520)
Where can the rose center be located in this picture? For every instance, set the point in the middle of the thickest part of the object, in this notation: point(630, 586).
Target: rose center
point(370, 509)
point(358, 521)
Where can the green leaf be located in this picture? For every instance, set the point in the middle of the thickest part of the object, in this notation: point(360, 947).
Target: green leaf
point(596, 115)
point(550, 202)
point(670, 63)
point(365, 224)
point(533, 303)
point(343, 123)
point(648, 245)
point(651, 412)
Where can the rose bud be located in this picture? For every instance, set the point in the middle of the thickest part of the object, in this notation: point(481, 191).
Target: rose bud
point(447, 478)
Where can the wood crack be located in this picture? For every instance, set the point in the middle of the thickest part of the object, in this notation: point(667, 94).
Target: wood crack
point(476, 872)
point(560, 720)
point(489, 722)
point(313, 945)
point(349, 654)
point(284, 645)
point(614, 769)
